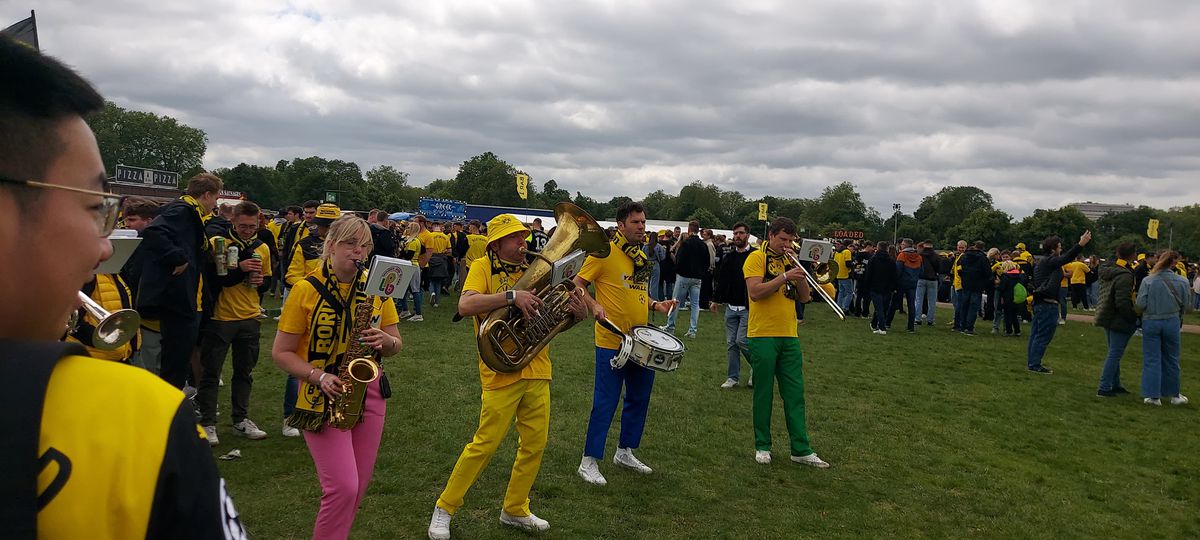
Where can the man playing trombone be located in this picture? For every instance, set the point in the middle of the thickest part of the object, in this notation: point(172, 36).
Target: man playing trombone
point(774, 282)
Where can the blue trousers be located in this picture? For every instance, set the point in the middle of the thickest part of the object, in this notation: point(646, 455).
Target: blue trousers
point(1041, 331)
point(638, 382)
point(686, 288)
point(1110, 376)
point(1160, 357)
point(882, 303)
point(967, 310)
point(845, 293)
point(927, 290)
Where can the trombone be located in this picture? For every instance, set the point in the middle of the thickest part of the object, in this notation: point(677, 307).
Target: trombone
point(112, 329)
point(812, 283)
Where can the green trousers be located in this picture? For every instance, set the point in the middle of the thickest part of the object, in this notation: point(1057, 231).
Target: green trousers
point(779, 358)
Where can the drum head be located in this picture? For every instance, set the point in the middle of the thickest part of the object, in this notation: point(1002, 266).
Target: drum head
point(657, 339)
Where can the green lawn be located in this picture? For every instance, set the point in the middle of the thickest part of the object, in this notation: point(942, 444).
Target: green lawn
point(930, 435)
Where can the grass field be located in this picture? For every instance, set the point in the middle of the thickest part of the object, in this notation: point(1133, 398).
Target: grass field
point(930, 435)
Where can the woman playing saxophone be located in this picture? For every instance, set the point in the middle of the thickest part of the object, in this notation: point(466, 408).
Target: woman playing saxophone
point(316, 329)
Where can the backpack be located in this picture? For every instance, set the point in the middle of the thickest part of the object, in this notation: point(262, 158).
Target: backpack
point(1019, 294)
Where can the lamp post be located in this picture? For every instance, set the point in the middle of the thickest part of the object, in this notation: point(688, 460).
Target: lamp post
point(895, 221)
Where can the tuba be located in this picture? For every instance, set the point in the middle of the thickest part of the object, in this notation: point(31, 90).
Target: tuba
point(359, 368)
point(507, 340)
point(112, 330)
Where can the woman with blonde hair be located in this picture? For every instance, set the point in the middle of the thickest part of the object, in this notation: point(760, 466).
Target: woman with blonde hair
point(1162, 298)
point(411, 250)
point(323, 304)
point(1009, 299)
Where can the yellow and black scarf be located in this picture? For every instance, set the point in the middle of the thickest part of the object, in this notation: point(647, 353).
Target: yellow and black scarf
point(328, 337)
point(200, 211)
point(500, 266)
point(642, 266)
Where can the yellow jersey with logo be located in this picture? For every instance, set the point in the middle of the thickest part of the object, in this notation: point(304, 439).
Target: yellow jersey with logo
point(136, 467)
point(298, 312)
point(438, 243)
point(775, 315)
point(414, 245)
point(1078, 271)
point(955, 269)
point(240, 302)
point(843, 258)
point(624, 298)
point(481, 280)
point(477, 247)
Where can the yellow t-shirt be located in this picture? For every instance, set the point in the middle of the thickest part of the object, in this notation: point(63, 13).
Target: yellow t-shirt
point(775, 315)
point(954, 269)
point(478, 247)
point(438, 243)
point(481, 280)
point(624, 300)
point(843, 258)
point(1078, 271)
point(298, 312)
point(240, 302)
point(414, 245)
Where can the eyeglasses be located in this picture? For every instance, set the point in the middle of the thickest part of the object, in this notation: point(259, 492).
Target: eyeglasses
point(106, 213)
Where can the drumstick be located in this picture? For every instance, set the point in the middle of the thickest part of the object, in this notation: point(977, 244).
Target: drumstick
point(672, 310)
point(608, 325)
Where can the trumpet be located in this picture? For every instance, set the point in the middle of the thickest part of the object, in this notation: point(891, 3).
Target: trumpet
point(813, 284)
point(112, 330)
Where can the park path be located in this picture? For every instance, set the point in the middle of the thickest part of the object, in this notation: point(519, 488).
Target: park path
point(1187, 328)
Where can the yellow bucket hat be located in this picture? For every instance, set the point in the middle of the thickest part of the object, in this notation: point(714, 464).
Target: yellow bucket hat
point(504, 225)
point(326, 213)
point(1020, 245)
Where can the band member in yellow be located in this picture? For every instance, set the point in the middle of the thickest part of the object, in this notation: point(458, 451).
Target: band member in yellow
point(315, 329)
point(621, 281)
point(774, 286)
point(524, 394)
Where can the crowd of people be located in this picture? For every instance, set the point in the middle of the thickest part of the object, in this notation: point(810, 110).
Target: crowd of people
point(200, 273)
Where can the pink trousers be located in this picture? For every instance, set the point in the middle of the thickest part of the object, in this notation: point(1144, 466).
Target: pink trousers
point(344, 462)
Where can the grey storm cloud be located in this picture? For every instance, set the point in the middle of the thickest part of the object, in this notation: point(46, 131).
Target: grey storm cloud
point(1039, 103)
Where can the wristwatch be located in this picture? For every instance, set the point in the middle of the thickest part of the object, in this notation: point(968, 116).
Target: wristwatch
point(510, 296)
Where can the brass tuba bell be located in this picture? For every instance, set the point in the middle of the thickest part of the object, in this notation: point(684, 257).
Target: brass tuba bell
point(507, 340)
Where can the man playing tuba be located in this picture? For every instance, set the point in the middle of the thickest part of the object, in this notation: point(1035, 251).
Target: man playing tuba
point(524, 394)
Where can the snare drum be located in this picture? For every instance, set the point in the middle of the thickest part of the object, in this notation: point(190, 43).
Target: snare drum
point(650, 348)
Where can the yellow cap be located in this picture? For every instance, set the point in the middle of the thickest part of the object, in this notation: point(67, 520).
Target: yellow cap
point(326, 213)
point(504, 225)
point(1141, 256)
point(1020, 245)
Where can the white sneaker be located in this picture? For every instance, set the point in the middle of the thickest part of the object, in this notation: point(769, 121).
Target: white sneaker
point(210, 433)
point(1179, 399)
point(1062, 321)
point(729, 383)
point(529, 523)
point(876, 331)
point(415, 318)
point(589, 471)
point(439, 524)
point(625, 458)
point(763, 456)
point(247, 428)
point(289, 431)
point(883, 332)
point(1152, 401)
point(404, 314)
point(812, 460)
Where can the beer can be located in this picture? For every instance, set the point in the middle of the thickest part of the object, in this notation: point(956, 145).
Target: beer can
point(250, 275)
point(219, 256)
point(231, 257)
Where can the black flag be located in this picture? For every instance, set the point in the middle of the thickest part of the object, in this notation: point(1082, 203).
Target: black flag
point(24, 31)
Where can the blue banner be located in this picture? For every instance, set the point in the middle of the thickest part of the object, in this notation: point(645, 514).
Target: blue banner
point(443, 209)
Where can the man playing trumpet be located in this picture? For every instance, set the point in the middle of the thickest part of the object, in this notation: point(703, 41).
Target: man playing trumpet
point(524, 394)
point(773, 341)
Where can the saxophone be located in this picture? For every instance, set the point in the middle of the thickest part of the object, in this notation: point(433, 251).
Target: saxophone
point(358, 369)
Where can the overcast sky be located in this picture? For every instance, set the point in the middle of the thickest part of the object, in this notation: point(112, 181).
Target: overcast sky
point(1039, 103)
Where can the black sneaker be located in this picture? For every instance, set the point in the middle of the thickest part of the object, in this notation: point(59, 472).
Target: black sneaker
point(1120, 390)
point(1040, 369)
point(1108, 393)
point(930, 323)
point(968, 332)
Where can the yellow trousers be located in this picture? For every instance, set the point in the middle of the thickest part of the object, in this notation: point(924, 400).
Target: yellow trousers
point(527, 400)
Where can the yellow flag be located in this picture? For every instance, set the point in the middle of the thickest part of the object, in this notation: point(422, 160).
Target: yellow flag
point(762, 211)
point(523, 185)
point(1152, 229)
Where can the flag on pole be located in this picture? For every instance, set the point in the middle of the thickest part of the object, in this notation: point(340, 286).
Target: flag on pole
point(762, 211)
point(523, 185)
point(23, 31)
point(1152, 229)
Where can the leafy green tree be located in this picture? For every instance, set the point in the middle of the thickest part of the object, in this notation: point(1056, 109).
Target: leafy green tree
point(1185, 223)
point(487, 179)
point(144, 139)
point(312, 177)
point(695, 196)
point(659, 205)
point(387, 188)
point(1066, 222)
point(994, 227)
point(552, 194)
point(599, 211)
point(951, 206)
point(840, 204)
point(262, 185)
point(707, 219)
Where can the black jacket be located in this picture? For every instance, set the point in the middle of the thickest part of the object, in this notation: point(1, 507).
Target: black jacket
point(383, 243)
point(691, 261)
point(1007, 283)
point(666, 266)
point(929, 264)
point(881, 273)
point(218, 226)
point(731, 283)
point(1047, 275)
point(131, 272)
point(174, 238)
point(976, 271)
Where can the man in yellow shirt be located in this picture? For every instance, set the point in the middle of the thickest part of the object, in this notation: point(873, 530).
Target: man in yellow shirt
point(773, 342)
point(477, 245)
point(845, 285)
point(1078, 271)
point(524, 395)
point(622, 281)
point(235, 323)
point(92, 448)
point(440, 265)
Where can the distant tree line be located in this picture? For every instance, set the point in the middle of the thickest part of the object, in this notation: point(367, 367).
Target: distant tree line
point(143, 139)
